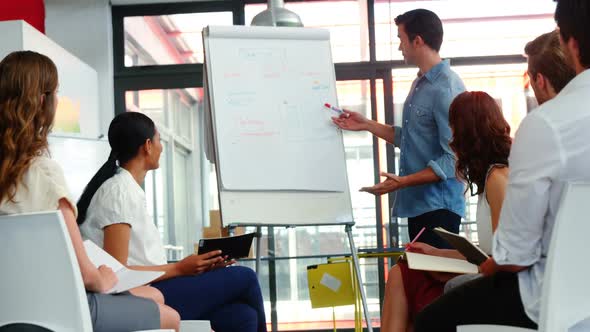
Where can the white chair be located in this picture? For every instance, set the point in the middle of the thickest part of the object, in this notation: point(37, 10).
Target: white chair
point(565, 301)
point(191, 326)
point(491, 328)
point(40, 281)
point(195, 326)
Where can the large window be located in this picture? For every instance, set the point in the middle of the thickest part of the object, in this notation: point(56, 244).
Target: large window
point(169, 39)
point(471, 28)
point(346, 21)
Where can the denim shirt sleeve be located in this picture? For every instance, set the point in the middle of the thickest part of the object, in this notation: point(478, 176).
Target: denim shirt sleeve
point(444, 165)
point(397, 136)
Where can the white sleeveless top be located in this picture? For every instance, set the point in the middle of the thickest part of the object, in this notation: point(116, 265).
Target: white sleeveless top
point(484, 217)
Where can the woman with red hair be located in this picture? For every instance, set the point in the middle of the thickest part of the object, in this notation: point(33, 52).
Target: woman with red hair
point(481, 142)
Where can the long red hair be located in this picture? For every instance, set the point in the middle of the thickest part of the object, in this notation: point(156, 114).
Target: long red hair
point(481, 136)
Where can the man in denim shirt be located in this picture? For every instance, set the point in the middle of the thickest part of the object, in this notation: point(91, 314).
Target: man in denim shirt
point(428, 193)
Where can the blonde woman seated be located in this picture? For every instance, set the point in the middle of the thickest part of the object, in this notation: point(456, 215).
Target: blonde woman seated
point(481, 142)
point(31, 182)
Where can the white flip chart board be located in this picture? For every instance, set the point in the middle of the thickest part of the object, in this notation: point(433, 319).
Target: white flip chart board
point(280, 160)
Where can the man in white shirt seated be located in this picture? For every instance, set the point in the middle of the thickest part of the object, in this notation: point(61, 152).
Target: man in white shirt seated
point(550, 148)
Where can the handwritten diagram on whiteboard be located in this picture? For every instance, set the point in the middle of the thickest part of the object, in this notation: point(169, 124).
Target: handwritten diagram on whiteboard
point(272, 130)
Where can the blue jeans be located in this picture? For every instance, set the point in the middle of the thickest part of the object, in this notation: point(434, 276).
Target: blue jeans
point(229, 298)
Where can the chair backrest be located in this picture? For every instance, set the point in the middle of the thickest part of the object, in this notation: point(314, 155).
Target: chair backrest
point(566, 289)
point(40, 280)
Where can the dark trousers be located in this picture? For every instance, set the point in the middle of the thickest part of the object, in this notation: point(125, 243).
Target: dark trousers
point(488, 300)
point(437, 218)
point(230, 298)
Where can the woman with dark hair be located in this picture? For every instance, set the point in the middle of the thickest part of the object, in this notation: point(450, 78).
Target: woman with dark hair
point(481, 142)
point(31, 182)
point(113, 214)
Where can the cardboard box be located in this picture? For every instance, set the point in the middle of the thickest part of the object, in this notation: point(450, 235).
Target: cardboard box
point(214, 229)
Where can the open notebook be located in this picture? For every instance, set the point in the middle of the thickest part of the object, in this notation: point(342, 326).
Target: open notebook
point(418, 261)
point(127, 278)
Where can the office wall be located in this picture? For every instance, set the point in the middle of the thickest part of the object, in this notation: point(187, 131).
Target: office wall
point(78, 110)
point(83, 27)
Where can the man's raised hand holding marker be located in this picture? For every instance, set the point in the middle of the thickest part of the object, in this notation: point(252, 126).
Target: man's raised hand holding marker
point(355, 121)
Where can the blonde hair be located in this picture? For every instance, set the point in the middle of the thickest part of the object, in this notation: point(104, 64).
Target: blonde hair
point(547, 58)
point(28, 81)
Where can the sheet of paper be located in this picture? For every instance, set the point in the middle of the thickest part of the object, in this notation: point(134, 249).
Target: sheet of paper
point(439, 264)
point(331, 282)
point(127, 278)
point(100, 257)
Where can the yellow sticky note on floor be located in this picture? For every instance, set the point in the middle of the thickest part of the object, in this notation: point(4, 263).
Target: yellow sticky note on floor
point(330, 285)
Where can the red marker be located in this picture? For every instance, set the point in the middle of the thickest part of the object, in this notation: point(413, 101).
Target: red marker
point(334, 108)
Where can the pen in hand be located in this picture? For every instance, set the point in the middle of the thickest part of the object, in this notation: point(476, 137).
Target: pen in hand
point(335, 109)
point(416, 237)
